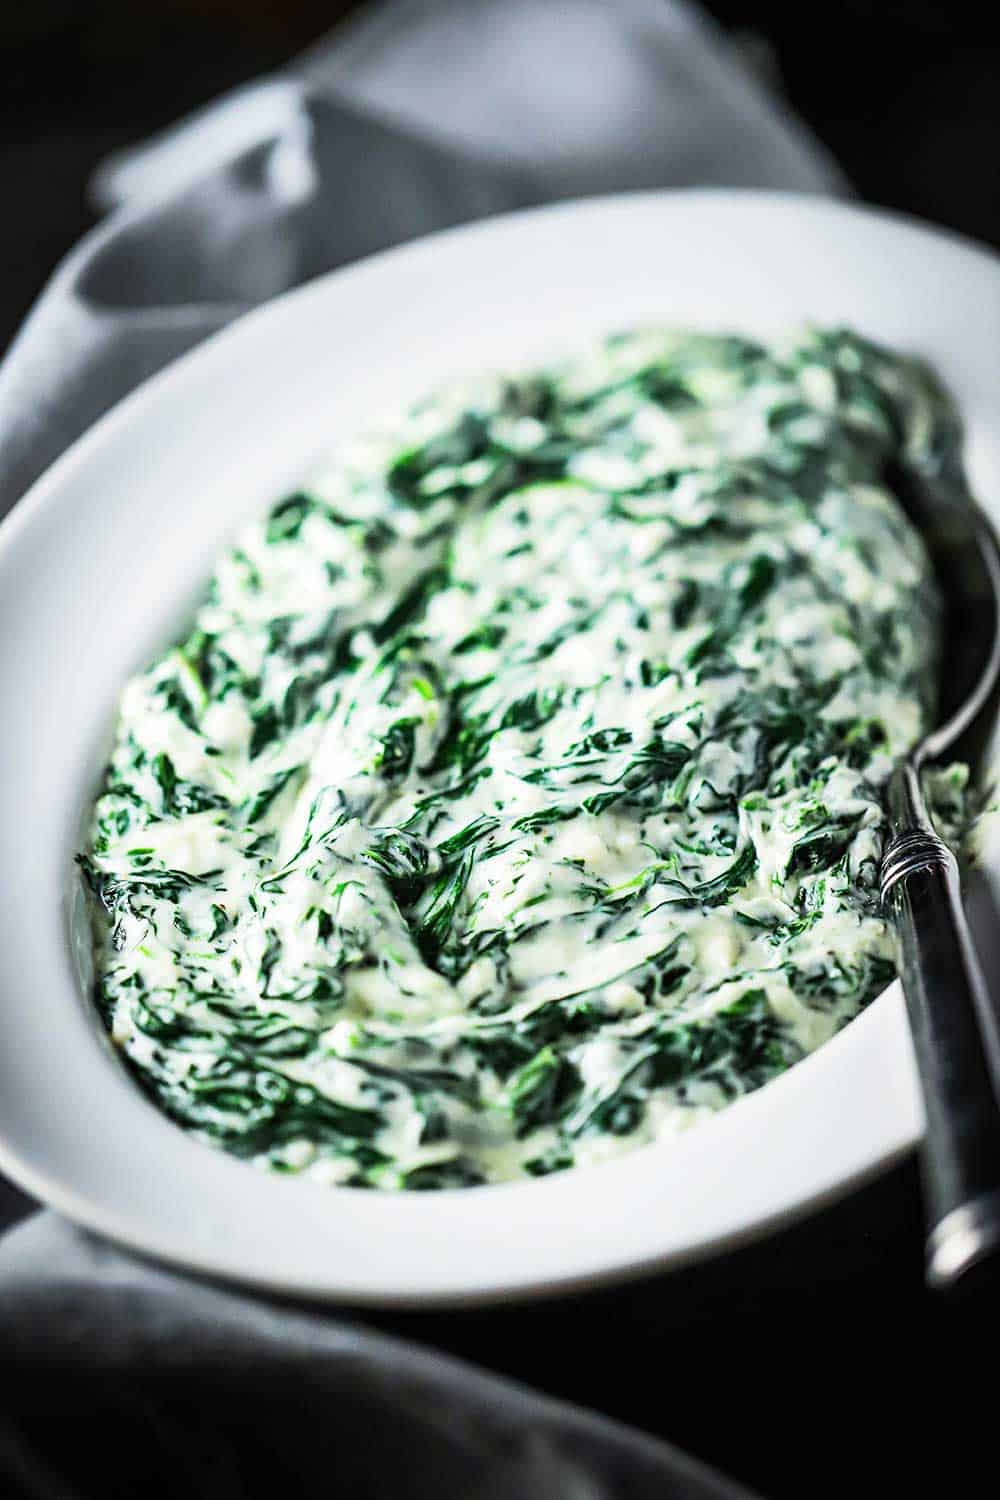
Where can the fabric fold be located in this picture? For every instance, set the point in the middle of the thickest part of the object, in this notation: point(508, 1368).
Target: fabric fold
point(416, 115)
point(157, 1373)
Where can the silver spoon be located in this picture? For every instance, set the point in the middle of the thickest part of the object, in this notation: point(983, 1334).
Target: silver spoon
point(953, 1021)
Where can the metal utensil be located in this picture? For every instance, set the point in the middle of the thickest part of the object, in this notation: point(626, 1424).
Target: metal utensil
point(955, 1026)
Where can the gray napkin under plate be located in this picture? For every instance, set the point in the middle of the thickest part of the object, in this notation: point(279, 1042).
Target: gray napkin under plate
point(131, 1381)
point(418, 115)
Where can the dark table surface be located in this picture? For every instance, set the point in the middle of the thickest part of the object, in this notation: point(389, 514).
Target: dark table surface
point(812, 1363)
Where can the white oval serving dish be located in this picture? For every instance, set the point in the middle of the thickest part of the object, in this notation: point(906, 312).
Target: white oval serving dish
point(97, 567)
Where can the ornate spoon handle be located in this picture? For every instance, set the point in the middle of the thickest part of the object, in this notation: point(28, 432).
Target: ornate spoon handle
point(955, 1035)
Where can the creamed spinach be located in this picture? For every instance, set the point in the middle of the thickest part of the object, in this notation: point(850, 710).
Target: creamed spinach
point(518, 794)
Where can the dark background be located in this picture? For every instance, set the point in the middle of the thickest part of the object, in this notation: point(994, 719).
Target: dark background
point(813, 1363)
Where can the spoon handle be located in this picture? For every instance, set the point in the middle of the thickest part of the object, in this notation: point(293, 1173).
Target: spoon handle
point(956, 1039)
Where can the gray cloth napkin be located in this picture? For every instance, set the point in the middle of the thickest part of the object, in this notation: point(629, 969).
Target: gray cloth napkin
point(126, 1373)
point(418, 115)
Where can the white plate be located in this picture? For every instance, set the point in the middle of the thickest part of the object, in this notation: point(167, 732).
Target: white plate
point(97, 567)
